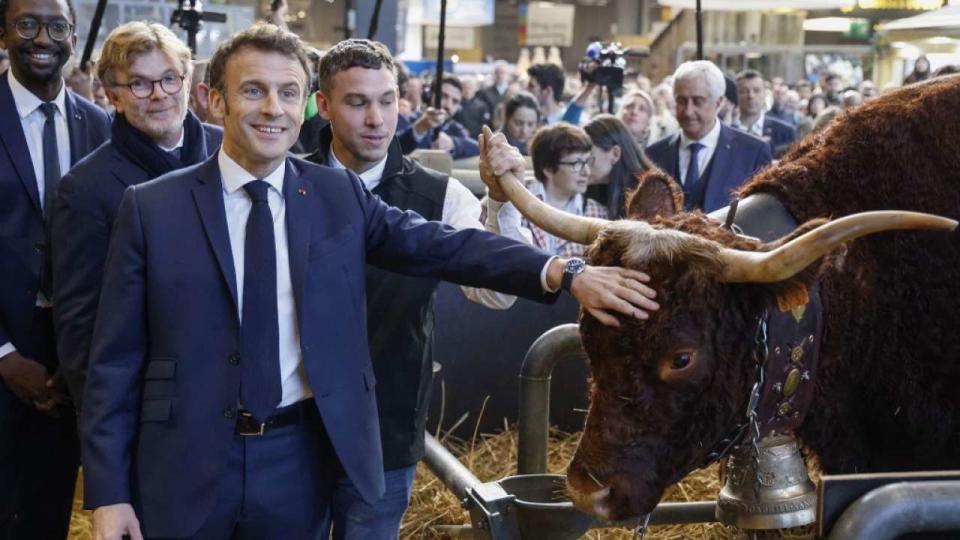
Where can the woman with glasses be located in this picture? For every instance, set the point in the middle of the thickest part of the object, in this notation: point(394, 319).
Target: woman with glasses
point(617, 163)
point(562, 163)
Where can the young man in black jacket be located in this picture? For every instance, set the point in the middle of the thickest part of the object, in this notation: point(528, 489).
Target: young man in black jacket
point(358, 95)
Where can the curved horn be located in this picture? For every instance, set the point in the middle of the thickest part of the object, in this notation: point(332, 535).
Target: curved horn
point(792, 257)
point(570, 227)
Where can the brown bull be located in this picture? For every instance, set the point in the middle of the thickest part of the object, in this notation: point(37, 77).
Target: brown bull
point(666, 390)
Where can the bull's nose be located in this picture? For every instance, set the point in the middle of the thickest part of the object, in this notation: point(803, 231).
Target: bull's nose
point(596, 503)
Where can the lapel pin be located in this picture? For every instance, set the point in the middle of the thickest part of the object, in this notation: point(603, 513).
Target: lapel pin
point(302, 191)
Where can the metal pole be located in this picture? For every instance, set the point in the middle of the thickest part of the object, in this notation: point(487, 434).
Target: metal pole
point(699, 31)
point(896, 509)
point(533, 420)
point(441, 37)
point(375, 20)
point(92, 36)
point(448, 468)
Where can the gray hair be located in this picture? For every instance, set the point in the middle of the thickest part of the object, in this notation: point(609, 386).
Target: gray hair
point(706, 70)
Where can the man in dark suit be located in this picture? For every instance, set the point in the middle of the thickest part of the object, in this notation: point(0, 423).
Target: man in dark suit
point(147, 72)
point(707, 158)
point(753, 119)
point(229, 371)
point(44, 129)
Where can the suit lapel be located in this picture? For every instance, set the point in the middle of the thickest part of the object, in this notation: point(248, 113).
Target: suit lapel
point(11, 133)
point(76, 127)
point(673, 157)
point(719, 170)
point(208, 195)
point(297, 196)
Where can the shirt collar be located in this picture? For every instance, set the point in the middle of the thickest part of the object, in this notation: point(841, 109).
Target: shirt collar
point(176, 146)
point(370, 177)
point(235, 177)
point(708, 141)
point(27, 102)
point(756, 127)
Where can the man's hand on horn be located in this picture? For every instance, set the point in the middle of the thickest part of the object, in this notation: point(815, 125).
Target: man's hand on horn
point(497, 158)
point(604, 291)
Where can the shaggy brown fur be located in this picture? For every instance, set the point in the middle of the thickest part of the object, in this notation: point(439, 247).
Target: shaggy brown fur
point(664, 390)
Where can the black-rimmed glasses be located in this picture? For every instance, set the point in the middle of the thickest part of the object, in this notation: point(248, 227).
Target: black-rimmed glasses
point(57, 30)
point(143, 88)
point(579, 165)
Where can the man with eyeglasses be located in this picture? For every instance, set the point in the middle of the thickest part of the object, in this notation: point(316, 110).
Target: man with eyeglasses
point(146, 70)
point(44, 129)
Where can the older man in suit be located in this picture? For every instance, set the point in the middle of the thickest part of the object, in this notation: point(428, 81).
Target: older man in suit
point(147, 72)
point(229, 373)
point(708, 159)
point(44, 129)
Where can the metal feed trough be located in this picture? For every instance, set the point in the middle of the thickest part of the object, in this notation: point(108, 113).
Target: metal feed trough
point(533, 504)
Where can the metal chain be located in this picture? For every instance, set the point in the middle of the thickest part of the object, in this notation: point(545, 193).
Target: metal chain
point(641, 530)
point(760, 351)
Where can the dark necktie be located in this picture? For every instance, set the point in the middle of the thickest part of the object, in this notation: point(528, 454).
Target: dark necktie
point(51, 182)
point(691, 184)
point(260, 391)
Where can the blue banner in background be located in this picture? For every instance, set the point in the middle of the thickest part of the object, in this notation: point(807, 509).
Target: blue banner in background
point(417, 67)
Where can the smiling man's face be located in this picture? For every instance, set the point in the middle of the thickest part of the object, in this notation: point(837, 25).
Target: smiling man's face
point(261, 106)
point(39, 60)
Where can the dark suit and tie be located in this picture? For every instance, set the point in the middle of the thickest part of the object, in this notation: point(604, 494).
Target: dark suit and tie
point(173, 332)
point(89, 197)
point(736, 156)
point(38, 453)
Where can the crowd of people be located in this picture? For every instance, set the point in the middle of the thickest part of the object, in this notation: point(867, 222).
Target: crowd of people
point(218, 280)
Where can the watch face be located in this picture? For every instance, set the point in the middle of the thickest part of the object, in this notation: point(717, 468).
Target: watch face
point(575, 265)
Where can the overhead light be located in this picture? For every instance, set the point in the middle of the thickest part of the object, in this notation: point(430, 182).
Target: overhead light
point(827, 24)
point(941, 40)
point(898, 44)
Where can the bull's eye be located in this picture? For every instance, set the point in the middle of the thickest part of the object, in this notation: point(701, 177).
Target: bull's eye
point(681, 360)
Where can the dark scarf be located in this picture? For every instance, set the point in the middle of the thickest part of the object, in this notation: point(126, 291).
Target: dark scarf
point(142, 151)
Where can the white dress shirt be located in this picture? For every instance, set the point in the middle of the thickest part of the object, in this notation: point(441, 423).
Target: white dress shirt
point(32, 120)
point(755, 129)
point(461, 210)
point(293, 375)
point(709, 142)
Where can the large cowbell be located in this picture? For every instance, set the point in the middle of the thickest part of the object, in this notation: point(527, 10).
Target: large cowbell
point(771, 492)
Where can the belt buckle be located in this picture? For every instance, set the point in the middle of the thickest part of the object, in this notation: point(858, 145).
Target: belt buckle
point(244, 421)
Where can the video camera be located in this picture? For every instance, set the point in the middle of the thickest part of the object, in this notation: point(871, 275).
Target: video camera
point(604, 65)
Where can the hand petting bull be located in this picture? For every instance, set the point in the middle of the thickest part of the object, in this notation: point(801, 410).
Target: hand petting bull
point(667, 390)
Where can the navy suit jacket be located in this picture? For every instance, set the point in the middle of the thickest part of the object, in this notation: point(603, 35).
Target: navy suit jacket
point(780, 134)
point(22, 235)
point(161, 394)
point(738, 155)
point(87, 205)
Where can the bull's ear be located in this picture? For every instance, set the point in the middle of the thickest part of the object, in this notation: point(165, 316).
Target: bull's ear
point(657, 194)
point(793, 292)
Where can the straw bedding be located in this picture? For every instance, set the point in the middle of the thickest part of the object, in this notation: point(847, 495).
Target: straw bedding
point(433, 508)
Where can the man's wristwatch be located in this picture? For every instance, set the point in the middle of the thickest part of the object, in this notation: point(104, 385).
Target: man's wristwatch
point(574, 266)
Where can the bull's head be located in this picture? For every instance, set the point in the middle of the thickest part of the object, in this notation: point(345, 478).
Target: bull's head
point(666, 389)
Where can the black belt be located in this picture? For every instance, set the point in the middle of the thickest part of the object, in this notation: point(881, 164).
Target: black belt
point(249, 426)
